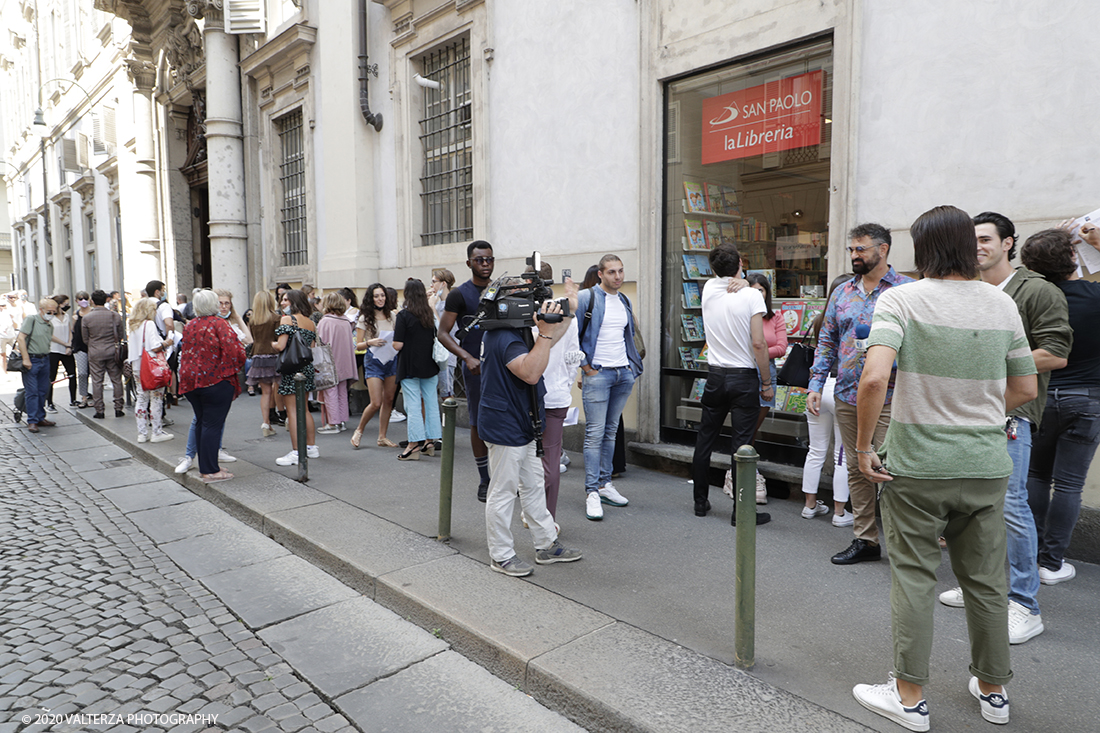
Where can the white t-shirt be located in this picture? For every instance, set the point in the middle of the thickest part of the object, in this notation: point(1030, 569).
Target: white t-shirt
point(61, 331)
point(727, 319)
point(611, 342)
point(164, 310)
point(561, 368)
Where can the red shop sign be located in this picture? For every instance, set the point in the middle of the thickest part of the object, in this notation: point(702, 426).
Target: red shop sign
point(779, 115)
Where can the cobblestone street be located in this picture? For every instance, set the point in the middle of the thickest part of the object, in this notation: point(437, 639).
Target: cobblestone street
point(97, 621)
point(127, 603)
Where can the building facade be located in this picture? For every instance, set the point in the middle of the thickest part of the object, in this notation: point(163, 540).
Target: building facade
point(344, 142)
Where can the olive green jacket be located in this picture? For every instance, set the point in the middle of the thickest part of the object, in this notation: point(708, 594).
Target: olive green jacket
point(1046, 324)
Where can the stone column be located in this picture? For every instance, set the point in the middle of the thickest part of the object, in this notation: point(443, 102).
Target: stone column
point(140, 244)
point(225, 155)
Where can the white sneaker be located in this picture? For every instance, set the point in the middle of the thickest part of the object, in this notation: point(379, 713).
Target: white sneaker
point(290, 459)
point(562, 468)
point(592, 507)
point(994, 705)
point(396, 416)
point(809, 512)
point(847, 519)
point(885, 700)
point(224, 457)
point(1054, 577)
point(185, 464)
point(727, 485)
point(565, 458)
point(610, 495)
point(761, 489)
point(328, 429)
point(1022, 624)
point(143, 438)
point(313, 451)
point(161, 437)
point(954, 598)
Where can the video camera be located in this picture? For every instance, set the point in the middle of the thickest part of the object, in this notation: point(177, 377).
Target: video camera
point(514, 302)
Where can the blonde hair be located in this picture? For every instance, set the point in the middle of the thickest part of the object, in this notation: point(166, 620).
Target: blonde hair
point(263, 307)
point(233, 317)
point(334, 303)
point(143, 310)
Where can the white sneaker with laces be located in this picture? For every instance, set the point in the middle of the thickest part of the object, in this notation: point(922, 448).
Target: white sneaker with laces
point(809, 512)
point(994, 705)
point(313, 451)
point(224, 457)
point(592, 506)
point(761, 489)
point(610, 495)
point(1022, 624)
point(847, 519)
point(185, 464)
point(885, 700)
point(143, 438)
point(954, 598)
point(396, 416)
point(290, 459)
point(562, 468)
point(161, 437)
point(328, 429)
point(1054, 577)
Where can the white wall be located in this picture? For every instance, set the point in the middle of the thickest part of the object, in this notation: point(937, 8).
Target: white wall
point(979, 105)
point(564, 135)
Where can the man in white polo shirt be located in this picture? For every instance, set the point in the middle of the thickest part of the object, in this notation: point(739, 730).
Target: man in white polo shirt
point(736, 350)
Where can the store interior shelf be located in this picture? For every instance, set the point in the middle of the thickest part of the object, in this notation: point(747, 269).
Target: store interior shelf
point(782, 423)
point(708, 214)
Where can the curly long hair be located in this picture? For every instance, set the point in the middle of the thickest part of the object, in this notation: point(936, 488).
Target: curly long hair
point(368, 311)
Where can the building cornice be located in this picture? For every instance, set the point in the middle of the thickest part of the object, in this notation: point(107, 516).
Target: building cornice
point(281, 49)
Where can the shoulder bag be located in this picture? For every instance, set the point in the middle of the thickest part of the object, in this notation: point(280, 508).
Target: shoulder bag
point(324, 366)
point(15, 359)
point(154, 367)
point(796, 369)
point(296, 356)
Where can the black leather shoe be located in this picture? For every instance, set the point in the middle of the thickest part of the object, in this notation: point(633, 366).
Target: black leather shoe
point(761, 518)
point(120, 413)
point(483, 492)
point(98, 416)
point(858, 551)
point(702, 509)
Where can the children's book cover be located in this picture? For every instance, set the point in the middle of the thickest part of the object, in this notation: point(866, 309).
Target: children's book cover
point(697, 238)
point(693, 194)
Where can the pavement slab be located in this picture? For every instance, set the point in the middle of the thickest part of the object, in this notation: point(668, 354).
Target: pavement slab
point(350, 644)
point(155, 494)
point(277, 589)
point(129, 475)
point(90, 459)
point(165, 524)
point(487, 616)
point(428, 696)
point(226, 547)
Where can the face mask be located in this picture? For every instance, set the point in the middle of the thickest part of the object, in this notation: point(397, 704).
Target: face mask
point(65, 308)
point(225, 316)
point(287, 310)
point(82, 303)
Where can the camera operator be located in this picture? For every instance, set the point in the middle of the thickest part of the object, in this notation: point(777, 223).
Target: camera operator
point(511, 376)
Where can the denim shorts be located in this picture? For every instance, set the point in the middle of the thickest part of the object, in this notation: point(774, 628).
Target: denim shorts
point(374, 369)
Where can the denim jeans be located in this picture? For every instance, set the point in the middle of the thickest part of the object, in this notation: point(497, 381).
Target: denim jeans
point(603, 395)
point(1062, 451)
point(1023, 543)
point(211, 405)
point(728, 391)
point(36, 387)
point(417, 391)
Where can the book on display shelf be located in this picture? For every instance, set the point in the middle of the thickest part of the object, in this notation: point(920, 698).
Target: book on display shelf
point(687, 359)
point(780, 396)
point(694, 195)
point(793, 312)
point(769, 275)
point(692, 295)
point(730, 204)
point(696, 237)
point(692, 331)
point(696, 394)
point(714, 234)
point(796, 400)
point(814, 308)
point(715, 203)
point(728, 230)
point(701, 360)
point(691, 266)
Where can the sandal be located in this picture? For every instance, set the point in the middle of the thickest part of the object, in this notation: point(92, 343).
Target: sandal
point(386, 443)
point(213, 478)
point(428, 448)
point(409, 455)
point(355, 438)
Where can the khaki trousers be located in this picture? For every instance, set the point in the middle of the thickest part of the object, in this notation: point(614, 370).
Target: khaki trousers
point(969, 514)
point(859, 486)
point(97, 367)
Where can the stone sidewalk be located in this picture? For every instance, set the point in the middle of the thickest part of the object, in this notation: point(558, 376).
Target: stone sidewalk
point(129, 604)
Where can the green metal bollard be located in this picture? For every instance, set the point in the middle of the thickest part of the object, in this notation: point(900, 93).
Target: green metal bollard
point(744, 655)
point(447, 467)
point(301, 411)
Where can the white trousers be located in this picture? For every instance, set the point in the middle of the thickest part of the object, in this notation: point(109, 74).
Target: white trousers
point(516, 469)
point(821, 428)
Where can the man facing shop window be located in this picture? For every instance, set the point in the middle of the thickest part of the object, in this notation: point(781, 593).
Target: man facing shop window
point(509, 368)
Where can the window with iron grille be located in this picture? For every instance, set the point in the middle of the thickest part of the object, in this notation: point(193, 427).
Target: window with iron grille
point(447, 184)
point(292, 179)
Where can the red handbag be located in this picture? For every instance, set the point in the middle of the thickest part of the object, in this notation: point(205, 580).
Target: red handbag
point(154, 371)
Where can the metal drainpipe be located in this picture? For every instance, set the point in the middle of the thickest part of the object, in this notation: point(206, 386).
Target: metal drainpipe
point(372, 118)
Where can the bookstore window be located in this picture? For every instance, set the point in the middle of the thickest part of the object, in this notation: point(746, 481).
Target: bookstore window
point(445, 136)
point(747, 161)
point(292, 174)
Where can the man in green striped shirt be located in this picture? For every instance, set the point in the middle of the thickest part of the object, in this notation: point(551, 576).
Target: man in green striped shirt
point(963, 362)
